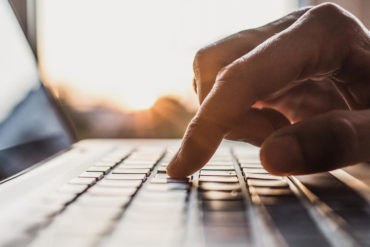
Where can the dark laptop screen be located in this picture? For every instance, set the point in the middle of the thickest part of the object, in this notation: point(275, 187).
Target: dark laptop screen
point(30, 127)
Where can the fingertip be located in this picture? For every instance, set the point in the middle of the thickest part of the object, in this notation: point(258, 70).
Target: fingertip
point(170, 170)
point(200, 141)
point(282, 155)
point(175, 168)
point(173, 173)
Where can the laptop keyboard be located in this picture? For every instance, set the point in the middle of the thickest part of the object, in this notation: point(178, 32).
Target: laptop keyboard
point(128, 199)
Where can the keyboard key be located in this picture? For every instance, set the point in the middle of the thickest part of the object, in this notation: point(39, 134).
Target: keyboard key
point(103, 169)
point(146, 155)
point(90, 213)
point(166, 187)
point(248, 165)
point(160, 220)
point(218, 173)
point(224, 218)
point(218, 168)
point(130, 171)
point(250, 161)
point(96, 175)
point(118, 155)
point(165, 162)
point(62, 239)
point(168, 180)
point(161, 175)
point(73, 188)
point(37, 213)
point(112, 159)
point(221, 163)
point(57, 199)
point(136, 166)
point(154, 213)
point(69, 227)
point(138, 162)
point(104, 164)
point(272, 191)
point(219, 186)
point(120, 183)
point(149, 207)
point(109, 191)
point(87, 181)
point(255, 170)
point(268, 183)
point(162, 196)
point(262, 176)
point(281, 201)
point(162, 169)
point(220, 195)
point(126, 177)
point(224, 235)
point(216, 205)
point(223, 179)
point(103, 201)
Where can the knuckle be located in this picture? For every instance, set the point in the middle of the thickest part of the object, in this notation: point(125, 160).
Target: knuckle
point(230, 73)
point(332, 16)
point(228, 77)
point(331, 24)
point(327, 9)
point(199, 55)
point(205, 67)
point(195, 86)
point(202, 58)
point(231, 79)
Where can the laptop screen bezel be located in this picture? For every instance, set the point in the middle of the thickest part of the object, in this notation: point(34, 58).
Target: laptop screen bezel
point(63, 118)
point(28, 23)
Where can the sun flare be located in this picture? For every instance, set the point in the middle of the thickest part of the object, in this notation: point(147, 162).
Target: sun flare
point(139, 101)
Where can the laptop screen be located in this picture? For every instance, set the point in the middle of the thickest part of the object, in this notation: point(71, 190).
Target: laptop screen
point(30, 127)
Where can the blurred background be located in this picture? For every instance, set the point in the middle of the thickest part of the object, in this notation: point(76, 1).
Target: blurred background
point(123, 68)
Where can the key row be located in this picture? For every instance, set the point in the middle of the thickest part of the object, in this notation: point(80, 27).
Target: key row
point(221, 199)
point(157, 210)
point(273, 195)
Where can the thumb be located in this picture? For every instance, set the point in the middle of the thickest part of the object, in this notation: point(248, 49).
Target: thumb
point(329, 141)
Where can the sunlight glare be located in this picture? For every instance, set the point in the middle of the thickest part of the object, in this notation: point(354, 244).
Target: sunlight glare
point(139, 100)
point(139, 50)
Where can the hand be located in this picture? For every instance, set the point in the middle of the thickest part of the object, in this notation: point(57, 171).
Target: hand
point(284, 86)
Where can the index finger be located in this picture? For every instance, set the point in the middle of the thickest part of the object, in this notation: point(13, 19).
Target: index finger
point(306, 49)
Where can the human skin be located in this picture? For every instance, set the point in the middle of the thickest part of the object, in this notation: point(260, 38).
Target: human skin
point(298, 87)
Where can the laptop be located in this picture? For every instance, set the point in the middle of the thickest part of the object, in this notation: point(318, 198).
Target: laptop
point(56, 191)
